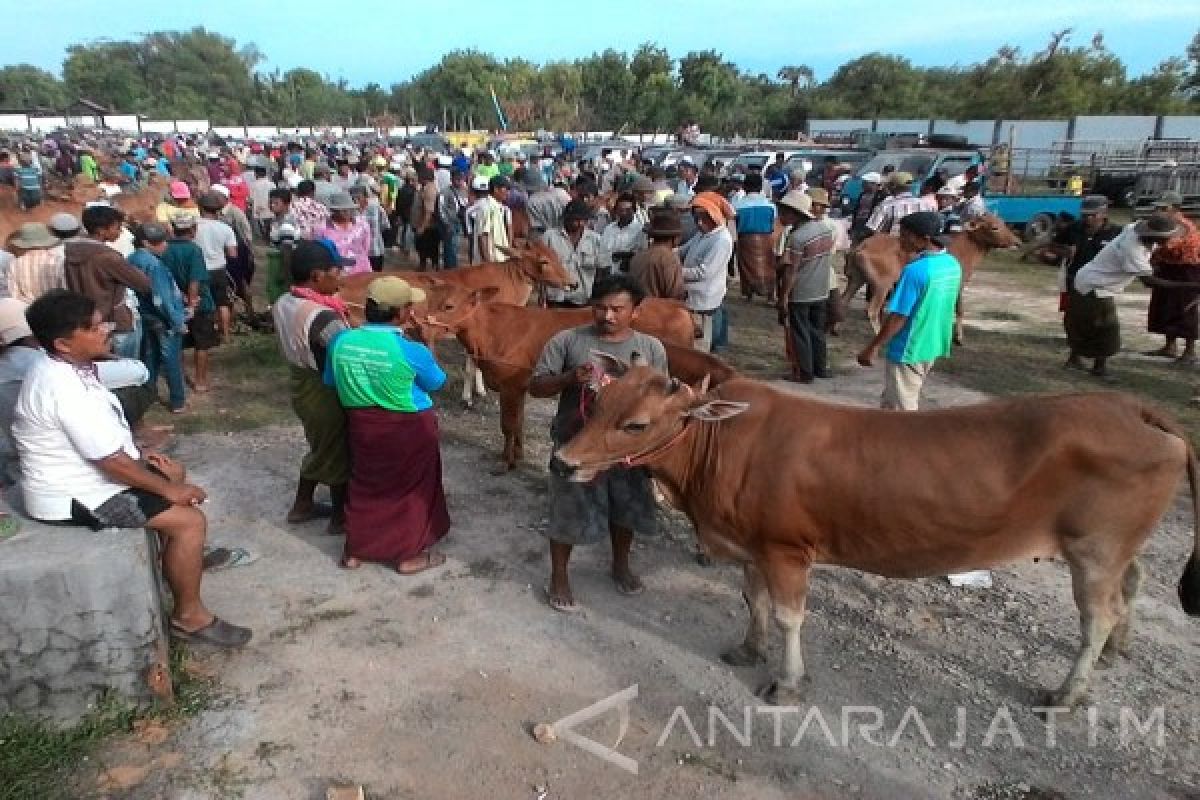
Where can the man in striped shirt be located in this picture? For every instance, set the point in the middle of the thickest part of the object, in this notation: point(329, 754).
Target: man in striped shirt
point(902, 202)
point(39, 268)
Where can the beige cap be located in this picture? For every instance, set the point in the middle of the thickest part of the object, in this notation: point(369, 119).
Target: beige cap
point(394, 292)
point(13, 325)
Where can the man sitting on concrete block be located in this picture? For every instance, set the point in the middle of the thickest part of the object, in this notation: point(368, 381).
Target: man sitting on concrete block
point(80, 466)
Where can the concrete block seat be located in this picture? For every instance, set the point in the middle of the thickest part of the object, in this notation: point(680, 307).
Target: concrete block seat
point(80, 614)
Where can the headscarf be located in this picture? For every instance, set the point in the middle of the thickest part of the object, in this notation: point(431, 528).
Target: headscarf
point(716, 206)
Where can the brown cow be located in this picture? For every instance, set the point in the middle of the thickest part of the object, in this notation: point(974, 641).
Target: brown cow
point(692, 365)
point(902, 495)
point(879, 260)
point(505, 341)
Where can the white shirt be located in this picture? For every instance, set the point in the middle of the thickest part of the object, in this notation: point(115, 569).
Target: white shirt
point(260, 197)
point(212, 237)
point(623, 240)
point(705, 260)
point(65, 420)
point(1115, 266)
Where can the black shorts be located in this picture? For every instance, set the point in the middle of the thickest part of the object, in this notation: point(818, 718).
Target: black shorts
point(221, 287)
point(132, 508)
point(202, 331)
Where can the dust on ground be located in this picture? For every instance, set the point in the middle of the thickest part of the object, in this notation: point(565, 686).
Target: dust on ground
point(428, 687)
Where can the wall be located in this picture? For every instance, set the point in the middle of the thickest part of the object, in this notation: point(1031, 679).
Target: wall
point(839, 125)
point(1033, 133)
point(1114, 127)
point(14, 122)
point(1181, 127)
point(902, 126)
point(977, 131)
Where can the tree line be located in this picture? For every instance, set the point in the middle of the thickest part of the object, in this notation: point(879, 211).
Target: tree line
point(198, 74)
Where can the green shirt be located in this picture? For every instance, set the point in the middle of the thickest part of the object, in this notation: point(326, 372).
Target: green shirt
point(926, 295)
point(185, 260)
point(375, 366)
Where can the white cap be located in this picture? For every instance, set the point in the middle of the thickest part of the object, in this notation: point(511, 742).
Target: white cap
point(872, 177)
point(948, 191)
point(221, 188)
point(444, 161)
point(480, 184)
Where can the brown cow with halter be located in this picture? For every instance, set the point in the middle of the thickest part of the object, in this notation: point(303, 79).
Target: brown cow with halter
point(902, 495)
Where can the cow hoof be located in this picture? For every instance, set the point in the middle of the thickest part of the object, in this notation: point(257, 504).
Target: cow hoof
point(743, 656)
point(1058, 698)
point(778, 695)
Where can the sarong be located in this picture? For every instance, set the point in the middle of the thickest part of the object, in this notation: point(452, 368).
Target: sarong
point(756, 265)
point(1173, 312)
point(1093, 330)
point(324, 423)
point(396, 506)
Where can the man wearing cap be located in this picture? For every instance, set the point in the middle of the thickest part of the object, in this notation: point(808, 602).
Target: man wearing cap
point(395, 503)
point(162, 312)
point(919, 324)
point(1082, 241)
point(493, 226)
point(582, 254)
point(178, 201)
point(80, 466)
point(1173, 312)
point(860, 210)
point(307, 318)
point(1093, 329)
point(218, 242)
point(38, 267)
point(896, 206)
point(657, 269)
point(479, 193)
point(92, 268)
point(805, 281)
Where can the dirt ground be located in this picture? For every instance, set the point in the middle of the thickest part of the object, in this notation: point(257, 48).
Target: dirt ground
point(428, 687)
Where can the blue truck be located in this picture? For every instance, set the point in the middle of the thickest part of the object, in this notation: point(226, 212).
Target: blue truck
point(1033, 213)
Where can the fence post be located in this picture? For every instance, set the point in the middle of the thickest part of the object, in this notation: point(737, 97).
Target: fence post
point(1071, 128)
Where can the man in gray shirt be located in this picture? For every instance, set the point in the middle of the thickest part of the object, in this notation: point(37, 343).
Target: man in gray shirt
point(805, 278)
point(620, 500)
point(544, 207)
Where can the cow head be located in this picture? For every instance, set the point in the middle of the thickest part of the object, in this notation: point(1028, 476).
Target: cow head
point(989, 232)
point(540, 264)
point(638, 416)
point(455, 305)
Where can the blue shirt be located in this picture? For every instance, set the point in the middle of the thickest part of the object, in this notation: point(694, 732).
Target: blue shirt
point(375, 366)
point(164, 301)
point(755, 214)
point(926, 295)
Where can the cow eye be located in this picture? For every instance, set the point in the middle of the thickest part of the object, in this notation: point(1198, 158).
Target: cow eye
point(634, 427)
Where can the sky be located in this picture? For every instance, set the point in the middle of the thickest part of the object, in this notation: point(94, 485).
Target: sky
point(385, 41)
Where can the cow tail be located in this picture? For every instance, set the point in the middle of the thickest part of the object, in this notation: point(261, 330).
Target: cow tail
point(1189, 584)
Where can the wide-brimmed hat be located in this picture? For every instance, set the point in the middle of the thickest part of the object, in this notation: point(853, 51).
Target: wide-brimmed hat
point(664, 221)
point(1157, 226)
point(819, 196)
point(341, 201)
point(797, 201)
point(394, 292)
point(13, 325)
point(1094, 204)
point(34, 236)
point(900, 179)
point(1169, 199)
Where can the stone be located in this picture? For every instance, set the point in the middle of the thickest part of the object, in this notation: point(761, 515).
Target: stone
point(83, 615)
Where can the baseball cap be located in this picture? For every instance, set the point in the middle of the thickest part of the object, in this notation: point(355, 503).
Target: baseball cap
point(923, 223)
point(222, 189)
point(393, 292)
point(331, 258)
point(13, 325)
point(480, 184)
point(183, 222)
point(62, 222)
point(180, 191)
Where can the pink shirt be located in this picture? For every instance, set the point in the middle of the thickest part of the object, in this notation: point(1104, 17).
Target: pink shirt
point(353, 241)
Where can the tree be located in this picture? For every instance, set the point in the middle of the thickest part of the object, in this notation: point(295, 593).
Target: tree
point(796, 77)
point(26, 86)
point(1191, 81)
point(876, 85)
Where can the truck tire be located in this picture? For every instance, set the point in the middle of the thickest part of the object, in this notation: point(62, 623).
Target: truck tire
point(1039, 226)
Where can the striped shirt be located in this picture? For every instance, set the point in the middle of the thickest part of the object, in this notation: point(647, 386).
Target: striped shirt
point(36, 272)
point(887, 215)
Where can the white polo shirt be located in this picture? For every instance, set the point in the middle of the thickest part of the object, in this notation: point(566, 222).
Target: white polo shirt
point(1115, 266)
point(63, 422)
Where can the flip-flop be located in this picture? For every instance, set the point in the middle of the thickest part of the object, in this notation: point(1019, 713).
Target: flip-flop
point(9, 525)
point(432, 561)
point(217, 633)
point(215, 557)
point(318, 511)
point(238, 557)
point(562, 606)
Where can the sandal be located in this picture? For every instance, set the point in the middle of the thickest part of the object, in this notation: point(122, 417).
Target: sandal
point(216, 557)
point(238, 557)
point(318, 511)
point(431, 560)
point(217, 633)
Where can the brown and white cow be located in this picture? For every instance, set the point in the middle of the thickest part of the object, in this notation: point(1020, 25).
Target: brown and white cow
point(902, 495)
point(879, 260)
point(505, 342)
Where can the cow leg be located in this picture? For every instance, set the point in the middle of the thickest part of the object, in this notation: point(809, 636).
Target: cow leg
point(1096, 588)
point(512, 413)
point(469, 373)
point(754, 649)
point(958, 319)
point(480, 386)
point(1118, 640)
point(787, 583)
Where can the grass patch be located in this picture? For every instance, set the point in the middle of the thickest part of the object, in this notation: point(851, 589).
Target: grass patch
point(38, 762)
point(250, 390)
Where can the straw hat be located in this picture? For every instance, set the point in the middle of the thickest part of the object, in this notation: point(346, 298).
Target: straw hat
point(1157, 226)
point(798, 201)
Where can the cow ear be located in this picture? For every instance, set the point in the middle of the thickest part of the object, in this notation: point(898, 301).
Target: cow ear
point(716, 410)
point(488, 294)
point(612, 365)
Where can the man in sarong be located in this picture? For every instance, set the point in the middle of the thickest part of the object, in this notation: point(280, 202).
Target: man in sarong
point(307, 318)
point(1173, 312)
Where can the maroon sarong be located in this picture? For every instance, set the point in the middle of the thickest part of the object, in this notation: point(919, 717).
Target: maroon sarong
point(395, 506)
